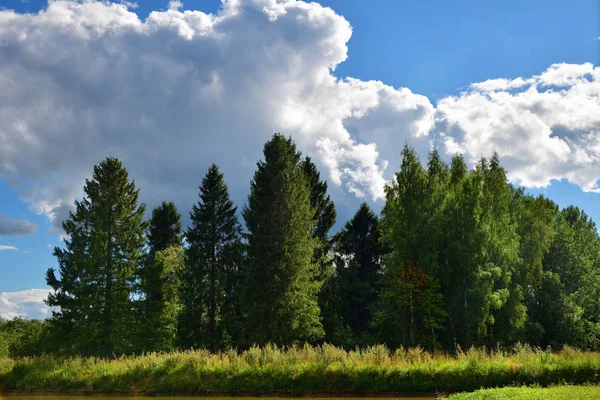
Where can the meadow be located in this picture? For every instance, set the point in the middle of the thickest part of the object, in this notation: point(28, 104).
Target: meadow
point(529, 393)
point(302, 370)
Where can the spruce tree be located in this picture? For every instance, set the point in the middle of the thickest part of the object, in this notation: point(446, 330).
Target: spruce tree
point(324, 217)
point(212, 269)
point(165, 227)
point(281, 289)
point(97, 268)
point(357, 279)
point(159, 277)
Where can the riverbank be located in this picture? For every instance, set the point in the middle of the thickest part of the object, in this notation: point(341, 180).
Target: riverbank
point(300, 371)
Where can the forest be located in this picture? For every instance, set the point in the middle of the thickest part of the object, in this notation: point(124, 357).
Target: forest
point(457, 258)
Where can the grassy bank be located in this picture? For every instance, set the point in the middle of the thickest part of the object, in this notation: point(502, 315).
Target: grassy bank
point(301, 370)
point(524, 393)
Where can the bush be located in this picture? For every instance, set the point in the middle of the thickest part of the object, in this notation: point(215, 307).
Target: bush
point(22, 338)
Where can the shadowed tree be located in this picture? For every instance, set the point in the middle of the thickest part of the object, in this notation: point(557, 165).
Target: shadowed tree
point(165, 227)
point(213, 265)
point(159, 278)
point(355, 287)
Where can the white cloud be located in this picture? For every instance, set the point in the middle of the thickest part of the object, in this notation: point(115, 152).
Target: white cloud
point(175, 5)
point(10, 227)
point(182, 89)
point(27, 304)
point(545, 128)
point(129, 4)
point(172, 94)
point(7, 247)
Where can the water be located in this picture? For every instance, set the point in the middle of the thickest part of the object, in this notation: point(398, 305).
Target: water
point(46, 397)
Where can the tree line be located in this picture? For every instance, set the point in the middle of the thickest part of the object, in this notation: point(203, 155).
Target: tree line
point(458, 257)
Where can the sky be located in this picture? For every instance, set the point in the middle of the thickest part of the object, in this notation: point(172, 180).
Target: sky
point(171, 87)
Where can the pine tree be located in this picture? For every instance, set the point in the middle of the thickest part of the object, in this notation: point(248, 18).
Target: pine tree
point(281, 288)
point(213, 265)
point(98, 265)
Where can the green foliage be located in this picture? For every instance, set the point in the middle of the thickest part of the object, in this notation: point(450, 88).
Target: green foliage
point(411, 308)
point(23, 337)
point(4, 345)
point(164, 229)
point(510, 267)
point(324, 216)
point(353, 290)
point(301, 370)
point(93, 312)
point(458, 258)
point(212, 274)
point(527, 393)
point(159, 280)
point(164, 316)
point(565, 305)
point(281, 285)
point(411, 229)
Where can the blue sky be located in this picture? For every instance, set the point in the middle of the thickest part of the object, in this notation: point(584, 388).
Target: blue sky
point(437, 49)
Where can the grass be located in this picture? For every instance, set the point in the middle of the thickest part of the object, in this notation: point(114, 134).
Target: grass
point(301, 370)
point(525, 393)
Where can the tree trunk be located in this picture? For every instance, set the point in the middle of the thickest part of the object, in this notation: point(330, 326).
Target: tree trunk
point(108, 298)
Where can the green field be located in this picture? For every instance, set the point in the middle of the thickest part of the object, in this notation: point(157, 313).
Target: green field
point(525, 393)
point(301, 370)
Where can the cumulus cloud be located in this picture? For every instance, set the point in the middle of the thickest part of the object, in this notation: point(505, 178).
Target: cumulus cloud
point(27, 304)
point(9, 227)
point(7, 247)
point(179, 90)
point(182, 89)
point(545, 128)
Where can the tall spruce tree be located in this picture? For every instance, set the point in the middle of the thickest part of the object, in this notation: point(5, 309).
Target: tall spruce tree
point(213, 266)
point(97, 267)
point(324, 217)
point(281, 289)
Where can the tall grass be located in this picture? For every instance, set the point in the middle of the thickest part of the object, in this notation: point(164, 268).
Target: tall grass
point(304, 369)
